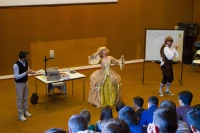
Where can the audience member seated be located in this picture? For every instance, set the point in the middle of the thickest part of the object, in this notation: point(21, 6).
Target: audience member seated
point(185, 99)
point(115, 126)
point(193, 117)
point(106, 114)
point(182, 126)
point(129, 116)
point(119, 105)
point(55, 130)
point(164, 121)
point(147, 115)
point(77, 123)
point(137, 105)
point(86, 114)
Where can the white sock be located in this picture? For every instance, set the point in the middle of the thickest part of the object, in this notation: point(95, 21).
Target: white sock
point(167, 87)
point(161, 87)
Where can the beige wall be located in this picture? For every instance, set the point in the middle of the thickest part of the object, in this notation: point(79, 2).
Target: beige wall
point(196, 16)
point(122, 23)
point(68, 53)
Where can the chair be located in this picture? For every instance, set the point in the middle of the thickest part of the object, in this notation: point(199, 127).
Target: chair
point(197, 45)
point(196, 60)
point(60, 85)
point(198, 53)
point(196, 63)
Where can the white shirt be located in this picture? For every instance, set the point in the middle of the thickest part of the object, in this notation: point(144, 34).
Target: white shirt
point(169, 53)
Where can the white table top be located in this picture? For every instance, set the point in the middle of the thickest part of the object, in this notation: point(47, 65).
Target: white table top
point(70, 77)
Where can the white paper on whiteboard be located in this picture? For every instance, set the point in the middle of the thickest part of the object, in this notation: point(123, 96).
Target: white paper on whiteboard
point(51, 53)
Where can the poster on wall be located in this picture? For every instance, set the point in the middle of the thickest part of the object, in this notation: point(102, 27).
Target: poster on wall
point(8, 3)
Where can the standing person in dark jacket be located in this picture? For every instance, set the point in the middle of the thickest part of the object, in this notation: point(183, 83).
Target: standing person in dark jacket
point(21, 71)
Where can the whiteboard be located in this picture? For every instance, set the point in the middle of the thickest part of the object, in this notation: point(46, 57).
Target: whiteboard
point(48, 2)
point(155, 39)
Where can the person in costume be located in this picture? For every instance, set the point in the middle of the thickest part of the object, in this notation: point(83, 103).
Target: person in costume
point(105, 84)
point(167, 54)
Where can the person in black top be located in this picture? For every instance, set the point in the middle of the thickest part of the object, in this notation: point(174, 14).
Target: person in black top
point(21, 71)
point(137, 105)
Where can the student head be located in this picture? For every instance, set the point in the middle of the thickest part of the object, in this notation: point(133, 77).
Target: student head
point(185, 98)
point(77, 123)
point(153, 100)
point(115, 126)
point(86, 114)
point(168, 103)
point(55, 130)
point(138, 102)
point(119, 105)
point(164, 121)
point(169, 40)
point(128, 114)
point(172, 105)
point(23, 55)
point(193, 117)
point(106, 113)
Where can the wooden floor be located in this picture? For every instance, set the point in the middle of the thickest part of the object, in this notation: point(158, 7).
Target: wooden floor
point(59, 111)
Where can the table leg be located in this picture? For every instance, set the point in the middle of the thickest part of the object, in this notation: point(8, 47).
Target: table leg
point(36, 84)
point(72, 87)
point(47, 96)
point(83, 89)
point(65, 90)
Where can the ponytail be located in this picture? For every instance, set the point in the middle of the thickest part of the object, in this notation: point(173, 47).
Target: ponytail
point(162, 52)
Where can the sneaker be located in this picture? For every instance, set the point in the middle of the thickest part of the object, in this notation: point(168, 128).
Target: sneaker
point(22, 118)
point(169, 93)
point(27, 114)
point(161, 94)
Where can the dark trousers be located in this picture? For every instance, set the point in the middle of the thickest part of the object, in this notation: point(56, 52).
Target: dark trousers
point(167, 77)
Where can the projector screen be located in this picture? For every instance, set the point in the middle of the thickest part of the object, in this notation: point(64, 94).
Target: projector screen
point(7, 3)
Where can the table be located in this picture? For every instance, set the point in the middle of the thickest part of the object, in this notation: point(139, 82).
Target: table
point(71, 77)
